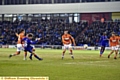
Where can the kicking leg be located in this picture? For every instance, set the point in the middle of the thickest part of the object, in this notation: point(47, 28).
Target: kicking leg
point(19, 48)
point(37, 56)
point(33, 50)
point(17, 53)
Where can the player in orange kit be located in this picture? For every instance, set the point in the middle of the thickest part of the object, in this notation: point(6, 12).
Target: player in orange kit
point(67, 40)
point(119, 45)
point(20, 36)
point(114, 45)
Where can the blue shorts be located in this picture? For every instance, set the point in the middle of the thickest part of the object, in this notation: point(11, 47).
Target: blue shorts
point(103, 44)
point(29, 49)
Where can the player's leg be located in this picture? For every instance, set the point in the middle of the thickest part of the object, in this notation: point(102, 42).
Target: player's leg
point(102, 50)
point(25, 55)
point(71, 51)
point(116, 52)
point(64, 50)
point(19, 48)
point(112, 51)
point(33, 53)
point(35, 56)
point(119, 51)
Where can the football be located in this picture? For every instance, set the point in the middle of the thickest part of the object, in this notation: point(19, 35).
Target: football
point(85, 46)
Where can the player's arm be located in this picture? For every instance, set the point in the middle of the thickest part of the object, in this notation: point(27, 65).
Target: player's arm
point(110, 40)
point(73, 40)
point(106, 38)
point(119, 40)
point(63, 41)
point(17, 34)
point(34, 42)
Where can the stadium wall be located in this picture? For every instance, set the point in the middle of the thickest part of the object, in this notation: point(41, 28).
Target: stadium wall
point(61, 8)
point(95, 16)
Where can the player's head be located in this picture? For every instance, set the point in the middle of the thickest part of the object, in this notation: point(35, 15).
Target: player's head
point(117, 35)
point(104, 33)
point(113, 33)
point(65, 31)
point(30, 35)
point(22, 31)
point(102, 20)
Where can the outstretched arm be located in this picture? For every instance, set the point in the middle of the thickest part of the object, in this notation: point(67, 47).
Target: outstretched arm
point(17, 34)
point(34, 42)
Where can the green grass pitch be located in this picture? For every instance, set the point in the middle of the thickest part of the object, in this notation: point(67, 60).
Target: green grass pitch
point(87, 65)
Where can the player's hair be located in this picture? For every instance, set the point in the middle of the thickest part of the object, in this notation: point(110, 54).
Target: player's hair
point(30, 35)
point(104, 33)
point(21, 30)
point(117, 34)
point(113, 32)
point(66, 30)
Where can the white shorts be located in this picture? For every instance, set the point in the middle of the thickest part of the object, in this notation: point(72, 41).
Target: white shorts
point(19, 47)
point(67, 46)
point(114, 48)
point(118, 46)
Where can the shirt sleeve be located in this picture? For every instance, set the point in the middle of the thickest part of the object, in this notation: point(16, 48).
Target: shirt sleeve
point(33, 42)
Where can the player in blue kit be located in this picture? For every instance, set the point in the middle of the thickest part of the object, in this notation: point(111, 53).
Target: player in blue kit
point(27, 45)
point(103, 40)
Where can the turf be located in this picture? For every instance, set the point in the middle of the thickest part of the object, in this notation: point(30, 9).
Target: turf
point(87, 65)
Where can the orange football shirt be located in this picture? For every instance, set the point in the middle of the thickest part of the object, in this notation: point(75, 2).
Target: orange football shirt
point(20, 37)
point(66, 39)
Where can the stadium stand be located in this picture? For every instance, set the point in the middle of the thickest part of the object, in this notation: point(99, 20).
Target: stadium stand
point(49, 31)
point(92, 34)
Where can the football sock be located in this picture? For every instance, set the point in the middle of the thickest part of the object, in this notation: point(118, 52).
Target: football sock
point(37, 57)
point(31, 55)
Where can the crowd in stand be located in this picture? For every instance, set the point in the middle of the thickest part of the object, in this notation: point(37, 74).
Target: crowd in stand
point(92, 34)
point(50, 31)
